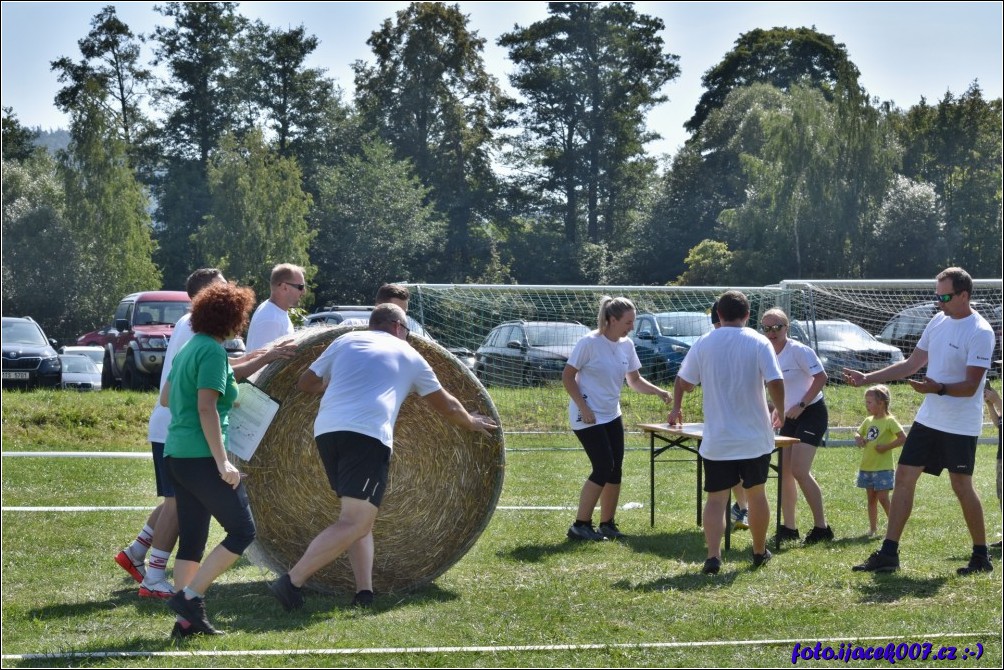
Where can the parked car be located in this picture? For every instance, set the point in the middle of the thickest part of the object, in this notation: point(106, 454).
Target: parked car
point(905, 328)
point(841, 344)
point(662, 340)
point(96, 354)
point(526, 353)
point(333, 316)
point(29, 357)
point(79, 373)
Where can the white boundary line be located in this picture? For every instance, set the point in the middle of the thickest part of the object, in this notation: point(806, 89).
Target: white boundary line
point(78, 454)
point(481, 649)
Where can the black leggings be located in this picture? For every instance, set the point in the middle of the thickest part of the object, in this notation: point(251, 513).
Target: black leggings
point(604, 444)
point(200, 492)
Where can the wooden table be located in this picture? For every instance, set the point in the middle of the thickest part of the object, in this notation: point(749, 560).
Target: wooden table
point(688, 437)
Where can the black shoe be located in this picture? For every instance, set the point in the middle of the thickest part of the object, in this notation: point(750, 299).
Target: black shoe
point(363, 599)
point(586, 532)
point(785, 534)
point(609, 530)
point(289, 596)
point(762, 559)
point(712, 566)
point(878, 562)
point(977, 563)
point(818, 534)
point(194, 611)
point(180, 631)
point(996, 545)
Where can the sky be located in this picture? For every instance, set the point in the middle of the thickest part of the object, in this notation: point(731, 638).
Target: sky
point(904, 50)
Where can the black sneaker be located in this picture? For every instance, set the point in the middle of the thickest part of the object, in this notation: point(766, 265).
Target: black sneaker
point(977, 563)
point(785, 534)
point(817, 534)
point(194, 611)
point(878, 562)
point(712, 566)
point(609, 529)
point(180, 631)
point(289, 596)
point(362, 599)
point(762, 559)
point(585, 532)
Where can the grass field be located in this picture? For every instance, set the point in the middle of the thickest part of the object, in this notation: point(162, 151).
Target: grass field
point(524, 596)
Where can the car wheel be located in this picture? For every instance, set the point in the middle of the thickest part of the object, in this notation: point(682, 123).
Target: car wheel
point(133, 379)
point(532, 378)
point(107, 378)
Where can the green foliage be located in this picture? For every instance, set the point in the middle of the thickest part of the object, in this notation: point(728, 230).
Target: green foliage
point(908, 237)
point(710, 263)
point(373, 226)
point(258, 213)
point(18, 141)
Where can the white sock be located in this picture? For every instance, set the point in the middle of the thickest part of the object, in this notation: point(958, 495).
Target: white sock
point(141, 544)
point(156, 569)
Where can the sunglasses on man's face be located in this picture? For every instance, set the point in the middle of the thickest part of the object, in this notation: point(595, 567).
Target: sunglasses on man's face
point(773, 329)
point(945, 297)
point(298, 287)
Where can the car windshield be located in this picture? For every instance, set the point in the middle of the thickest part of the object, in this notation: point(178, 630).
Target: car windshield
point(160, 313)
point(22, 332)
point(685, 325)
point(78, 364)
point(555, 334)
point(96, 355)
point(840, 332)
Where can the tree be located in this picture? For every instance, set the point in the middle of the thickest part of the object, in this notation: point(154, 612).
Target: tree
point(781, 57)
point(110, 64)
point(18, 141)
point(373, 226)
point(430, 98)
point(258, 212)
point(908, 234)
point(710, 263)
point(588, 73)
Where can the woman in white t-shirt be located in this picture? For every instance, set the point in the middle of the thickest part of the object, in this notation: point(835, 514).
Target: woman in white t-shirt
point(593, 377)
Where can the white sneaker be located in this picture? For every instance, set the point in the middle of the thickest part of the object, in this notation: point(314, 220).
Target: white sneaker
point(159, 589)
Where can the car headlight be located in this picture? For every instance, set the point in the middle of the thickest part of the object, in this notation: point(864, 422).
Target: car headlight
point(50, 365)
point(158, 342)
point(552, 364)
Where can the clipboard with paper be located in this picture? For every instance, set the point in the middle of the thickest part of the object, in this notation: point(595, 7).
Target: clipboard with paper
point(249, 420)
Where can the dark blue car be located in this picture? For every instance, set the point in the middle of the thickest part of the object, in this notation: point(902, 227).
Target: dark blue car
point(663, 339)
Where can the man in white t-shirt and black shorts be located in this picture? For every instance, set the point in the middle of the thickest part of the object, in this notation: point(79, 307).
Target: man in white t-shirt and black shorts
point(956, 346)
point(364, 376)
point(733, 364)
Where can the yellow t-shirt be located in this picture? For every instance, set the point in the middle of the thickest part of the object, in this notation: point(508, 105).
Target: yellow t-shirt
point(878, 431)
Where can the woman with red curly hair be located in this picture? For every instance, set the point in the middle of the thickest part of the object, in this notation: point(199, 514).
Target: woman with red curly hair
point(200, 391)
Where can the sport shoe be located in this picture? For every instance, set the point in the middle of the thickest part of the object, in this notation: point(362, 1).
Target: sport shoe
point(194, 611)
point(740, 517)
point(289, 596)
point(609, 529)
point(180, 631)
point(785, 534)
point(584, 532)
point(136, 570)
point(762, 559)
point(712, 566)
point(159, 589)
point(977, 563)
point(362, 599)
point(878, 562)
point(818, 534)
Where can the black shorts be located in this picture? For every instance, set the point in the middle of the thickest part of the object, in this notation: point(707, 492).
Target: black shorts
point(357, 464)
point(936, 450)
point(722, 475)
point(165, 488)
point(810, 426)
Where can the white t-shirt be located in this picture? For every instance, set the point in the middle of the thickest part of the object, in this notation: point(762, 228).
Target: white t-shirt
point(369, 374)
point(951, 346)
point(732, 364)
point(799, 364)
point(602, 366)
point(160, 418)
point(268, 324)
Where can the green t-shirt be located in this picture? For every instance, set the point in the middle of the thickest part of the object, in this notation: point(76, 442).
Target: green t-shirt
point(201, 364)
point(878, 431)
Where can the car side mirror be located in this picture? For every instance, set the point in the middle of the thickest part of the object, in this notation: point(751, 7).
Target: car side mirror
point(121, 325)
point(647, 335)
point(514, 344)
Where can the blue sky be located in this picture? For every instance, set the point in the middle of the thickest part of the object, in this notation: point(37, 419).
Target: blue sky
point(904, 50)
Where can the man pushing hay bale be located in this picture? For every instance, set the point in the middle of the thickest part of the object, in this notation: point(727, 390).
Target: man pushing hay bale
point(443, 482)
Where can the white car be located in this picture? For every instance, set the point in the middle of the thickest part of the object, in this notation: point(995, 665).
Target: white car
point(79, 373)
point(96, 354)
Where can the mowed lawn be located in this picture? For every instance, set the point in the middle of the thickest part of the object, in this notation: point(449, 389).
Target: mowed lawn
point(524, 596)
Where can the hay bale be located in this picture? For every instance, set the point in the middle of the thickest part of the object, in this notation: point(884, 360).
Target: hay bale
point(443, 487)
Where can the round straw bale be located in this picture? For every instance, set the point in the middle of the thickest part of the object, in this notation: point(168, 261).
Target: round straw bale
point(443, 487)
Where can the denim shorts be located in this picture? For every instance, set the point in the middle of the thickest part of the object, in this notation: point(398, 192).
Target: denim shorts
point(878, 480)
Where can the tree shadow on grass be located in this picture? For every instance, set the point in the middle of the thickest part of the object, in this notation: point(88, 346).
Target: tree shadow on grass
point(691, 580)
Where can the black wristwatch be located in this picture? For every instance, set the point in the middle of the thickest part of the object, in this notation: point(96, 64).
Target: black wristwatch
point(942, 390)
point(802, 405)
